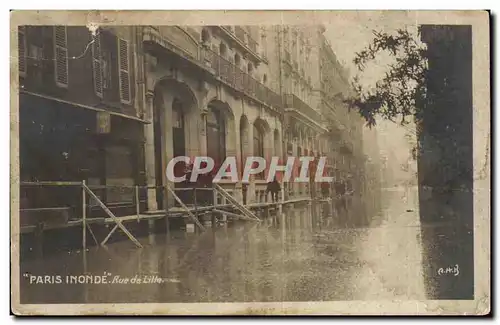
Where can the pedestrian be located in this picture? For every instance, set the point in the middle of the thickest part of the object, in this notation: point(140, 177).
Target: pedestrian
point(340, 204)
point(325, 189)
point(274, 188)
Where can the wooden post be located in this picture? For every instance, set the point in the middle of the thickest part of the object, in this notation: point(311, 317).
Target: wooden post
point(232, 214)
point(195, 203)
point(186, 209)
point(110, 214)
point(224, 216)
point(137, 208)
point(281, 200)
point(167, 220)
point(235, 203)
point(84, 217)
point(214, 192)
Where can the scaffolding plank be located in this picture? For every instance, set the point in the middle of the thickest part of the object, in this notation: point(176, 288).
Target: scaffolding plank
point(109, 213)
point(186, 209)
point(236, 204)
point(231, 214)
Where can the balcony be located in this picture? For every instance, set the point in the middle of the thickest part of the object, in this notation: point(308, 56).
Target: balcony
point(244, 37)
point(303, 111)
point(240, 80)
point(212, 63)
point(241, 38)
point(173, 38)
point(337, 112)
point(292, 101)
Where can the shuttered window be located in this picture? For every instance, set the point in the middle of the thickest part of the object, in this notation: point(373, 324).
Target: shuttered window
point(97, 65)
point(124, 71)
point(21, 39)
point(61, 56)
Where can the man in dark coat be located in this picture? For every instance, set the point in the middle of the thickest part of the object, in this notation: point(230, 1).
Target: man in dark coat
point(325, 189)
point(273, 187)
point(341, 204)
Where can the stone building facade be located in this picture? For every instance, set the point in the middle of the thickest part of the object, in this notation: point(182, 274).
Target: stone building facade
point(206, 94)
point(345, 138)
point(306, 71)
point(80, 114)
point(156, 92)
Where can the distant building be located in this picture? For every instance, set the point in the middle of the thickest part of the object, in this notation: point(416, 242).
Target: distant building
point(345, 135)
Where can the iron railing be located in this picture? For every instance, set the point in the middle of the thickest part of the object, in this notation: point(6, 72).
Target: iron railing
point(224, 69)
point(238, 79)
point(245, 38)
point(292, 101)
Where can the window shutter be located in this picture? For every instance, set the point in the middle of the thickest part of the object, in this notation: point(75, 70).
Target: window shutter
point(61, 56)
point(97, 65)
point(21, 40)
point(124, 75)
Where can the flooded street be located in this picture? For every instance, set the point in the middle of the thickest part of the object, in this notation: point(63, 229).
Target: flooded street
point(298, 256)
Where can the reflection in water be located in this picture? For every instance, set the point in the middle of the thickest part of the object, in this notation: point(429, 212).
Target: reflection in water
point(301, 255)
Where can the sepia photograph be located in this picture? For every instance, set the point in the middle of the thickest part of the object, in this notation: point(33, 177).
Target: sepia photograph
point(250, 162)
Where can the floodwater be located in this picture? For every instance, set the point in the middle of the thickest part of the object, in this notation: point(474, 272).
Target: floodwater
point(301, 255)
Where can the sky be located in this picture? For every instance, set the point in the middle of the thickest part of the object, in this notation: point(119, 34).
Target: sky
point(350, 34)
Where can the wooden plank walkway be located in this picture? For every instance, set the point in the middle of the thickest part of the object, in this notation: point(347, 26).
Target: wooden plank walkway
point(173, 212)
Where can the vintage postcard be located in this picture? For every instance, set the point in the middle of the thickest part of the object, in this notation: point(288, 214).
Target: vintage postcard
point(250, 162)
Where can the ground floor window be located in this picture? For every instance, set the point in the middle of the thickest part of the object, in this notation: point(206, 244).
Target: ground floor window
point(258, 146)
point(119, 175)
point(216, 136)
point(58, 142)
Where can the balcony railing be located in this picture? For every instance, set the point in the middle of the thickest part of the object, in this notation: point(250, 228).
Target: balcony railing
point(241, 37)
point(240, 33)
point(339, 111)
point(245, 37)
point(239, 79)
point(292, 101)
point(224, 69)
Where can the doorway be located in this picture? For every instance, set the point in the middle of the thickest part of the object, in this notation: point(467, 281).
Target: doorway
point(216, 136)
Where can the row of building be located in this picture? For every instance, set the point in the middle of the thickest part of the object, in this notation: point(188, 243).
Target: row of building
point(113, 105)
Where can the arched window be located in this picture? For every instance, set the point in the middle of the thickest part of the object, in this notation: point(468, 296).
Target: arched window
point(216, 135)
point(250, 67)
point(244, 142)
point(277, 143)
point(205, 36)
point(264, 79)
point(179, 145)
point(289, 146)
point(237, 60)
point(258, 145)
point(177, 114)
point(263, 42)
point(222, 50)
